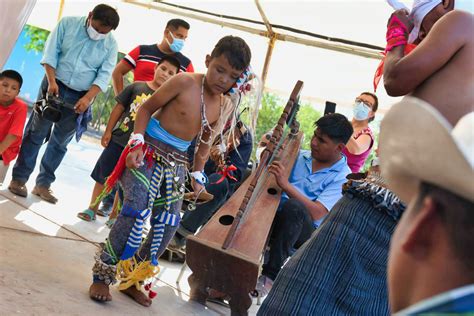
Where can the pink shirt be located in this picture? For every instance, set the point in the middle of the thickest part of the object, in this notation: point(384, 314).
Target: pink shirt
point(356, 162)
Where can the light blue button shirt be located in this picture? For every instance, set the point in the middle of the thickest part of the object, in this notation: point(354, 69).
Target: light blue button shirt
point(80, 62)
point(324, 186)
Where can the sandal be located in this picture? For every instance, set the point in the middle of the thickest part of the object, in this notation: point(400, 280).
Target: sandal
point(104, 211)
point(87, 215)
point(110, 222)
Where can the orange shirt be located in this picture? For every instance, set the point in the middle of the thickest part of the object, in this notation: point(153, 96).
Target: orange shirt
point(12, 121)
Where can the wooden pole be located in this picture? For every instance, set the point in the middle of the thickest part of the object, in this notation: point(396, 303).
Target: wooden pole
point(61, 7)
point(343, 48)
point(268, 57)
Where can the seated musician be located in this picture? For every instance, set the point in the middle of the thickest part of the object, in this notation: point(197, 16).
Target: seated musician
point(221, 184)
point(314, 186)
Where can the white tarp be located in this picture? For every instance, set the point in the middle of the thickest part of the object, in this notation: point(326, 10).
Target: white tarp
point(328, 75)
point(13, 16)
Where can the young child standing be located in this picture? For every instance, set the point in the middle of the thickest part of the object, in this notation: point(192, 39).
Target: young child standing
point(12, 119)
point(185, 107)
point(116, 136)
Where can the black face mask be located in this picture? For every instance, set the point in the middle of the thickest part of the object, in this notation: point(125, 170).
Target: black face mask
point(49, 108)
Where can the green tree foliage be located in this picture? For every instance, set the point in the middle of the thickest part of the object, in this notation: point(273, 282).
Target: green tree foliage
point(105, 101)
point(270, 112)
point(307, 116)
point(375, 126)
point(37, 38)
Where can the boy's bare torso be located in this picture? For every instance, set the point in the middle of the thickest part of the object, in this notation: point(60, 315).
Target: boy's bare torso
point(451, 88)
point(181, 116)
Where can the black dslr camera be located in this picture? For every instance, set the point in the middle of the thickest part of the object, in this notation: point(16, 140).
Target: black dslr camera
point(49, 108)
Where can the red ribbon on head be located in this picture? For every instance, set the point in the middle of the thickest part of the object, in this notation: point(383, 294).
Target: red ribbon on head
point(226, 173)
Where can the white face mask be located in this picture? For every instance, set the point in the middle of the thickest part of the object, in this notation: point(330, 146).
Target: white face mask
point(93, 34)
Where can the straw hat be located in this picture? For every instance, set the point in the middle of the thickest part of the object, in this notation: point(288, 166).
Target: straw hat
point(418, 144)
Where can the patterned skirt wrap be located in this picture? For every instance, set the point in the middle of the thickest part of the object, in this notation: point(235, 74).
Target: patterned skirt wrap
point(154, 192)
point(341, 269)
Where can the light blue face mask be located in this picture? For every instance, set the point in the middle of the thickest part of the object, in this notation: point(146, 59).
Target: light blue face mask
point(361, 111)
point(177, 44)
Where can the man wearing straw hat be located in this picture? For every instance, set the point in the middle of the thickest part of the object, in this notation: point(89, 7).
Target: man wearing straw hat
point(431, 260)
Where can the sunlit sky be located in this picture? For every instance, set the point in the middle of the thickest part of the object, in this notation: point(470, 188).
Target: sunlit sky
point(327, 75)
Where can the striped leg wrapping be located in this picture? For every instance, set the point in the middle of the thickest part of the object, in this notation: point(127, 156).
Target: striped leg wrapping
point(165, 218)
point(135, 238)
point(160, 222)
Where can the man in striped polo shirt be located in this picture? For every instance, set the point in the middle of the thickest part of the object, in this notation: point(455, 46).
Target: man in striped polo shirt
point(143, 58)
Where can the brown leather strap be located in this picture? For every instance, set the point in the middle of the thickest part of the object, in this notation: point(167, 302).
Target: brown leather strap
point(167, 151)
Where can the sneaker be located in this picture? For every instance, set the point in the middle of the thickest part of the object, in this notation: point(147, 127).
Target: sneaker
point(263, 287)
point(45, 193)
point(18, 188)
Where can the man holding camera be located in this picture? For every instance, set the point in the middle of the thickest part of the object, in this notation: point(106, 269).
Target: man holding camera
point(79, 57)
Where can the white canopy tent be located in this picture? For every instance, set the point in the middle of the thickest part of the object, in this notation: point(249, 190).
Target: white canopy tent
point(331, 70)
point(13, 16)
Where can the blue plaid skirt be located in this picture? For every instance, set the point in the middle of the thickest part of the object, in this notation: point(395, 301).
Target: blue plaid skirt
point(341, 270)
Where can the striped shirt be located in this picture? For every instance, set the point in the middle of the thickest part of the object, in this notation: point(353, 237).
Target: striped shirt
point(144, 58)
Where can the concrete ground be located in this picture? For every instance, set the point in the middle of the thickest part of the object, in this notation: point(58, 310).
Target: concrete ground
point(46, 252)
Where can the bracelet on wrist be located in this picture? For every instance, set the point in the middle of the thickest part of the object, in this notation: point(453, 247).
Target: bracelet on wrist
point(136, 141)
point(200, 177)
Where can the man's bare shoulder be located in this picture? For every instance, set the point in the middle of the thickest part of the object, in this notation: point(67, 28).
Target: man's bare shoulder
point(459, 14)
point(457, 20)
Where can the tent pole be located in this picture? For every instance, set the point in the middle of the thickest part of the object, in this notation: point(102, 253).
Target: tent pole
point(360, 51)
point(268, 57)
point(264, 18)
point(61, 7)
point(271, 44)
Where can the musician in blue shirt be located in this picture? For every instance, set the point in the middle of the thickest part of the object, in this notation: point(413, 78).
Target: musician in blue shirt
point(314, 186)
point(79, 57)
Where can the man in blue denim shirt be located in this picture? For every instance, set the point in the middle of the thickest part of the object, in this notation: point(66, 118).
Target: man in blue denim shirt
point(79, 57)
point(314, 186)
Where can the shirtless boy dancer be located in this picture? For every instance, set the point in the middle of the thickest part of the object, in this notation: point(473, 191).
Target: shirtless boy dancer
point(440, 70)
point(189, 105)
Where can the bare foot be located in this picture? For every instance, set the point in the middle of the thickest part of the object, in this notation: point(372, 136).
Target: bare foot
point(138, 296)
point(100, 292)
